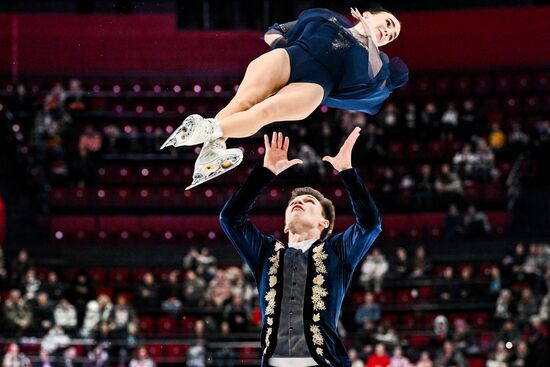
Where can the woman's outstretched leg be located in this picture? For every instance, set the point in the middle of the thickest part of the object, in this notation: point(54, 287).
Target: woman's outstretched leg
point(264, 76)
point(293, 102)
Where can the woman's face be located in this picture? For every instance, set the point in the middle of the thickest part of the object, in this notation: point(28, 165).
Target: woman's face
point(385, 26)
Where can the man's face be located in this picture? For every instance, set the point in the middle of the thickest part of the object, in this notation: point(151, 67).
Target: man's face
point(303, 213)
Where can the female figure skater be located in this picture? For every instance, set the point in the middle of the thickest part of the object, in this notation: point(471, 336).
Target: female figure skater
point(320, 58)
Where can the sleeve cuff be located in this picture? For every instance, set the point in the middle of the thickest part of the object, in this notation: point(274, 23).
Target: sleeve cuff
point(263, 174)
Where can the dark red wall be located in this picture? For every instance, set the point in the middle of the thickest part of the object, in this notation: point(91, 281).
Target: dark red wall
point(150, 44)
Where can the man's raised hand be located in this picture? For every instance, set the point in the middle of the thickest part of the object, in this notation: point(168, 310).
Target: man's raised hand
point(276, 153)
point(342, 160)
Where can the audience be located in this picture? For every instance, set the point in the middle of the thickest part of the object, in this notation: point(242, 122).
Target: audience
point(373, 270)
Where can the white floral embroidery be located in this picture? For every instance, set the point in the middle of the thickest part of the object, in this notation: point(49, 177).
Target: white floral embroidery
point(317, 337)
point(318, 295)
point(272, 293)
point(319, 280)
point(279, 246)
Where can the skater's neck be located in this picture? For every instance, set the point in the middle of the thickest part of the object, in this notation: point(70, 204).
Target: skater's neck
point(303, 236)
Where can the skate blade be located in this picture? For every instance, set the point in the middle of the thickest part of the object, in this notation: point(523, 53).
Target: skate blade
point(225, 166)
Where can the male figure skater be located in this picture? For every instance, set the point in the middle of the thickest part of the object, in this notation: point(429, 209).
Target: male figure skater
point(302, 284)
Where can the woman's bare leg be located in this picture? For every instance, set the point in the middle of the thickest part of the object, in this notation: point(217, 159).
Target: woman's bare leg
point(293, 102)
point(264, 76)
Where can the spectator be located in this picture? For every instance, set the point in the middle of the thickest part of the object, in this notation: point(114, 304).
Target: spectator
point(467, 288)
point(65, 316)
point(449, 122)
point(42, 314)
point(190, 259)
point(373, 144)
point(237, 314)
point(379, 358)
point(476, 223)
point(122, 315)
point(453, 223)
point(389, 118)
point(517, 140)
point(463, 338)
point(3, 270)
point(421, 264)
point(512, 264)
point(484, 163)
point(196, 354)
point(171, 287)
point(84, 166)
point(499, 358)
point(544, 310)
point(218, 290)
point(193, 289)
point(17, 313)
point(388, 187)
point(468, 119)
point(429, 117)
point(354, 359)
point(386, 335)
point(369, 310)
point(538, 343)
point(519, 358)
point(55, 340)
point(14, 358)
point(497, 137)
point(98, 357)
point(147, 293)
point(80, 293)
point(245, 289)
point(206, 264)
point(44, 359)
point(509, 333)
point(398, 359)
point(69, 356)
point(373, 270)
point(448, 186)
point(312, 169)
point(503, 305)
point(440, 332)
point(53, 287)
point(425, 360)
point(76, 99)
point(463, 162)
point(97, 313)
point(401, 267)
point(526, 307)
point(495, 281)
point(365, 335)
point(172, 306)
point(448, 356)
point(424, 189)
point(20, 266)
point(224, 356)
point(446, 289)
point(142, 359)
point(31, 284)
point(411, 119)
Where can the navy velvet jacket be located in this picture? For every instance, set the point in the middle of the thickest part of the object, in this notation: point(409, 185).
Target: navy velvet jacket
point(330, 265)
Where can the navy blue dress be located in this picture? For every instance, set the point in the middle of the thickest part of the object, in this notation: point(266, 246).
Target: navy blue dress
point(322, 50)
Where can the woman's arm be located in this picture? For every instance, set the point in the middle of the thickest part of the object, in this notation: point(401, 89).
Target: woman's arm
point(274, 36)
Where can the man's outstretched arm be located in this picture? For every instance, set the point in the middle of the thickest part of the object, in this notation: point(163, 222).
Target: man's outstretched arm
point(353, 244)
point(244, 235)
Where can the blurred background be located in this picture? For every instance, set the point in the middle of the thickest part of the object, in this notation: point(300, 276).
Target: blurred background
point(105, 259)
